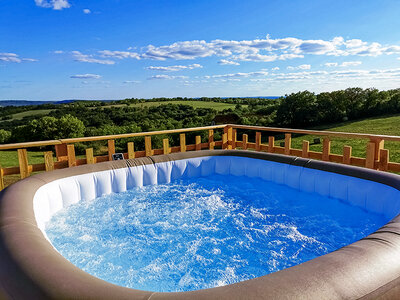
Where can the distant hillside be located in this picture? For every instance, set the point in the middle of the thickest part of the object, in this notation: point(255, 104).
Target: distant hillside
point(30, 102)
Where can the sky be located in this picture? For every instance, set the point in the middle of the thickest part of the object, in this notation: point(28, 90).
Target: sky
point(116, 49)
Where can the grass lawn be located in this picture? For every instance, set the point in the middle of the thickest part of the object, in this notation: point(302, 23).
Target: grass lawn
point(36, 112)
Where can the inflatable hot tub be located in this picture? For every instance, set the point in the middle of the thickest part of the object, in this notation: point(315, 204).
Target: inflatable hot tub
point(30, 267)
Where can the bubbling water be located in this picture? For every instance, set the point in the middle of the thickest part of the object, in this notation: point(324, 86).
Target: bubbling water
point(203, 232)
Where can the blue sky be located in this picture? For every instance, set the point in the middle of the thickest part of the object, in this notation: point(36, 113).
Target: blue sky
point(115, 49)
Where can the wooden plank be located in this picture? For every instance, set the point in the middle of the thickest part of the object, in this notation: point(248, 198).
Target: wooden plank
point(165, 146)
point(225, 141)
point(379, 145)
point(175, 149)
point(198, 142)
point(258, 140)
point(347, 155)
point(245, 141)
point(234, 138)
point(71, 155)
point(228, 130)
point(61, 152)
point(326, 149)
point(147, 145)
point(131, 150)
point(337, 158)
point(288, 143)
point(89, 156)
point(1, 178)
point(23, 163)
point(394, 167)
point(305, 149)
point(182, 140)
point(48, 160)
point(271, 144)
point(111, 149)
point(383, 159)
point(211, 143)
point(315, 155)
point(370, 160)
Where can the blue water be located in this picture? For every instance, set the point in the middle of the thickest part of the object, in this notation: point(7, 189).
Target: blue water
point(203, 232)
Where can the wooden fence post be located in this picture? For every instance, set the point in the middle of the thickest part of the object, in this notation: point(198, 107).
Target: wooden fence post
point(258, 141)
point(211, 143)
point(147, 145)
point(383, 159)
point(225, 141)
point(347, 155)
point(228, 131)
point(89, 156)
point(61, 152)
point(288, 143)
point(234, 139)
point(245, 141)
point(182, 139)
point(370, 160)
point(131, 150)
point(111, 149)
point(305, 149)
point(198, 142)
point(71, 155)
point(379, 145)
point(326, 149)
point(1, 178)
point(165, 146)
point(23, 163)
point(48, 160)
point(271, 144)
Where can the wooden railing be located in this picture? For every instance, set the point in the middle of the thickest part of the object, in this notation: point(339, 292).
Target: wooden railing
point(376, 156)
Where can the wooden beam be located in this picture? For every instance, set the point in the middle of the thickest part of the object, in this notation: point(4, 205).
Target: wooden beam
point(165, 146)
point(271, 144)
point(245, 141)
point(383, 159)
point(71, 155)
point(258, 141)
point(147, 146)
point(288, 143)
point(370, 160)
point(182, 140)
point(234, 138)
point(305, 149)
point(131, 150)
point(211, 143)
point(89, 156)
point(48, 160)
point(379, 145)
point(111, 149)
point(347, 155)
point(326, 149)
point(1, 178)
point(23, 163)
point(198, 142)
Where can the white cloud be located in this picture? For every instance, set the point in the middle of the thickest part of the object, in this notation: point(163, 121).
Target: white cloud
point(301, 67)
point(86, 11)
point(58, 52)
point(78, 56)
point(86, 76)
point(238, 75)
point(166, 77)
point(55, 4)
point(350, 63)
point(331, 64)
point(275, 69)
point(12, 57)
point(119, 54)
point(174, 68)
point(131, 81)
point(228, 62)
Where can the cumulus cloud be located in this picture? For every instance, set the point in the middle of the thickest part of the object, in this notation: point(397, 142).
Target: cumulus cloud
point(228, 62)
point(86, 11)
point(55, 4)
point(238, 75)
point(275, 69)
point(166, 77)
point(14, 58)
point(119, 54)
point(78, 56)
point(131, 81)
point(85, 76)
point(331, 64)
point(174, 68)
point(301, 67)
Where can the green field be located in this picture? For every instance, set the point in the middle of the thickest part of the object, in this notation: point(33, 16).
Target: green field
point(196, 104)
point(36, 112)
